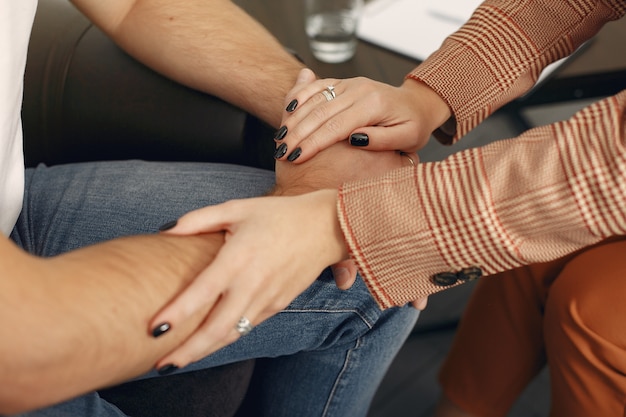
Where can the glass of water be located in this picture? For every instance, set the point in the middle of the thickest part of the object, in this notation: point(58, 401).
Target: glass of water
point(331, 28)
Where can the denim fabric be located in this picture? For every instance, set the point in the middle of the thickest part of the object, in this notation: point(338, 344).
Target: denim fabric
point(328, 350)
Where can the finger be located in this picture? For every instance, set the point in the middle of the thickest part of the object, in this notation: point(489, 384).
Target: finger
point(243, 300)
point(319, 125)
point(302, 99)
point(305, 76)
point(322, 125)
point(326, 125)
point(311, 97)
point(201, 294)
point(219, 329)
point(420, 303)
point(307, 88)
point(401, 137)
point(204, 220)
point(210, 219)
point(345, 274)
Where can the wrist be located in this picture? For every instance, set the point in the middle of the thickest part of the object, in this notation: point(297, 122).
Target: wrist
point(436, 109)
point(326, 205)
point(322, 204)
point(292, 179)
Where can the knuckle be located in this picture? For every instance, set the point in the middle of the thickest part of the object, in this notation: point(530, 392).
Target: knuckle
point(222, 333)
point(381, 99)
point(278, 303)
point(333, 126)
point(231, 338)
point(275, 307)
point(318, 98)
point(275, 302)
point(297, 134)
point(314, 143)
point(319, 113)
point(376, 99)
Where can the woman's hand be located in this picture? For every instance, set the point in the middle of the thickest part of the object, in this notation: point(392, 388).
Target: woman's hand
point(372, 115)
point(275, 247)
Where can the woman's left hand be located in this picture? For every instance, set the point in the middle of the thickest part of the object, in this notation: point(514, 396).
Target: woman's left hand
point(371, 114)
point(292, 238)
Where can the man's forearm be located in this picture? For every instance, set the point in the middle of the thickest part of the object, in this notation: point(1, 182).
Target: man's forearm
point(209, 45)
point(79, 321)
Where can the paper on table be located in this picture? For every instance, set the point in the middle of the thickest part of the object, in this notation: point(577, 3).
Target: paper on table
point(417, 28)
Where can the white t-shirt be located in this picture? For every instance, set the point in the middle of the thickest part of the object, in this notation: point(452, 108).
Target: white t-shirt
point(16, 20)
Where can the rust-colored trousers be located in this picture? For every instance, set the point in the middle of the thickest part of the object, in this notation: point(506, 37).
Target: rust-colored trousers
point(570, 314)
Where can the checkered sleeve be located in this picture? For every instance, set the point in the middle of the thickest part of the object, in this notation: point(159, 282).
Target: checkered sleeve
point(500, 52)
point(535, 198)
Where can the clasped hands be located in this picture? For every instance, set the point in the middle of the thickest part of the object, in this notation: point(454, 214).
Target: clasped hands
point(276, 246)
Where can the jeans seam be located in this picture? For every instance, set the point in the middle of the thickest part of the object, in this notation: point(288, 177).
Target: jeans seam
point(339, 376)
point(358, 313)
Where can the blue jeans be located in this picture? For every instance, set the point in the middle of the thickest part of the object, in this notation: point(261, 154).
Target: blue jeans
point(329, 348)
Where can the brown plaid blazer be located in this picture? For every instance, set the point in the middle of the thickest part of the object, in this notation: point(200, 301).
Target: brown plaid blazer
point(534, 198)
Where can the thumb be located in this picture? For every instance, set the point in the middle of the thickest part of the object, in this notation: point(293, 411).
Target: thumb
point(207, 219)
point(420, 303)
point(305, 76)
point(344, 273)
point(400, 137)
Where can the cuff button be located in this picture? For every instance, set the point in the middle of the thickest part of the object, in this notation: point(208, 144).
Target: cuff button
point(444, 279)
point(470, 273)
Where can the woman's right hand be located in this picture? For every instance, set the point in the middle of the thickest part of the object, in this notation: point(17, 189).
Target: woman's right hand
point(372, 115)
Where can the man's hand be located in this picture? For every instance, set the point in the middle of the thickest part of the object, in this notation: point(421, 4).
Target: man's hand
point(334, 166)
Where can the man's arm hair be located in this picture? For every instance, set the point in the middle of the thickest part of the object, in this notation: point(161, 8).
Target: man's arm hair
point(79, 321)
point(210, 45)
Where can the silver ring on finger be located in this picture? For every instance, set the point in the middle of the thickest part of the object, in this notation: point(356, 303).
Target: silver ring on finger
point(329, 93)
point(243, 326)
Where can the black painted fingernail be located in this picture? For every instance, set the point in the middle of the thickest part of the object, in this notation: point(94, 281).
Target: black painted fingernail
point(280, 133)
point(292, 105)
point(168, 225)
point(280, 151)
point(294, 155)
point(161, 329)
point(167, 369)
point(359, 139)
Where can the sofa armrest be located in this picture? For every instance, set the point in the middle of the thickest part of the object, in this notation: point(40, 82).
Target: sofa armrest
point(85, 99)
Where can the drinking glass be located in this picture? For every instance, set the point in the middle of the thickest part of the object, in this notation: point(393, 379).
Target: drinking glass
point(331, 28)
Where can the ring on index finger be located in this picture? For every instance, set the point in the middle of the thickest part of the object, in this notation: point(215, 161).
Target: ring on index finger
point(329, 93)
